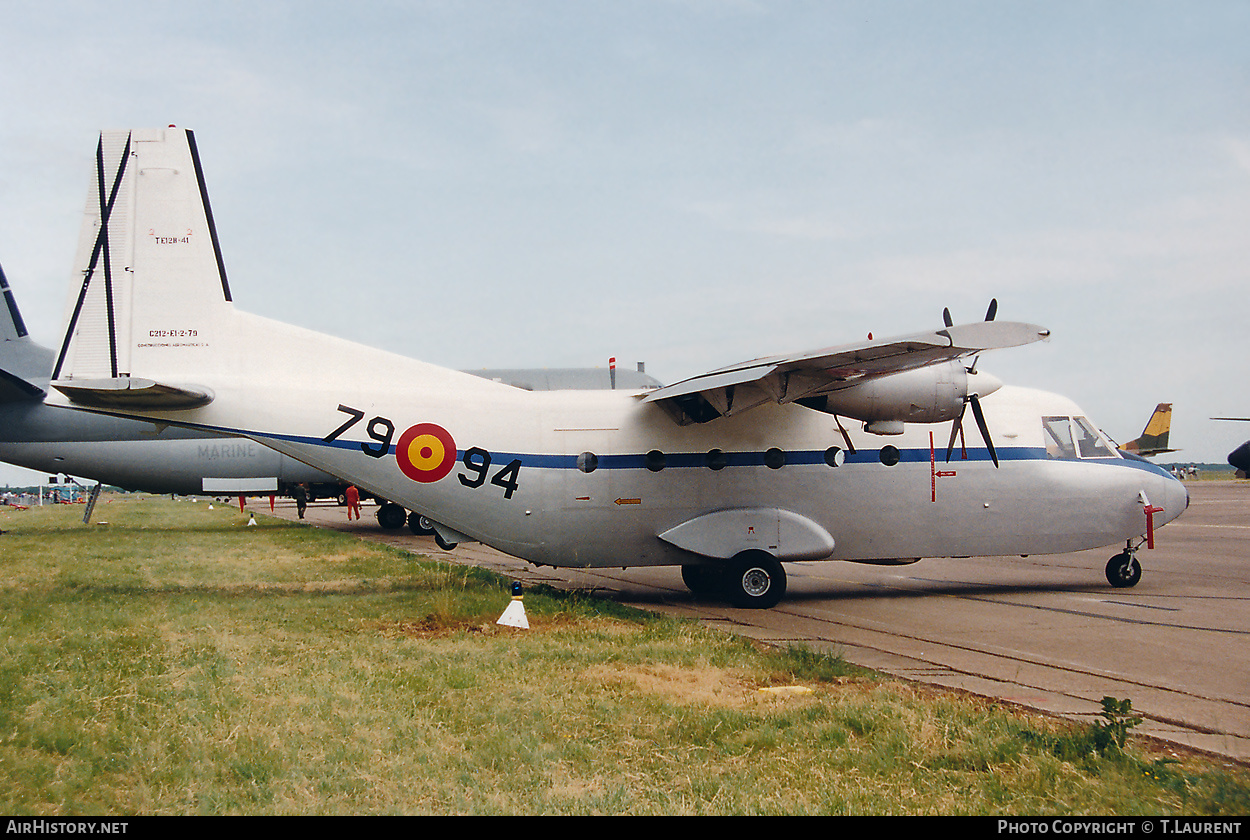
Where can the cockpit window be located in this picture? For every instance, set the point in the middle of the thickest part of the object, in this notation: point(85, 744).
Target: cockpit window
point(1089, 442)
point(1058, 437)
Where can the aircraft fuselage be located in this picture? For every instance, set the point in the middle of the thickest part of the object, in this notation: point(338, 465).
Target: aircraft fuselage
point(602, 479)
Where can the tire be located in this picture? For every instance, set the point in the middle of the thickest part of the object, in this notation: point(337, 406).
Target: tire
point(442, 543)
point(1123, 571)
point(419, 525)
point(703, 580)
point(754, 580)
point(391, 516)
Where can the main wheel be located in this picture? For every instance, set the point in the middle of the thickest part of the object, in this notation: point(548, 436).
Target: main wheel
point(419, 525)
point(754, 580)
point(391, 516)
point(703, 580)
point(1123, 571)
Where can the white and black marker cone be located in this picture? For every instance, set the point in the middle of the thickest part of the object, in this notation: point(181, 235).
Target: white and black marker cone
point(514, 615)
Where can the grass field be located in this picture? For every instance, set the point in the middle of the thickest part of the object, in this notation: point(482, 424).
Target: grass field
point(175, 661)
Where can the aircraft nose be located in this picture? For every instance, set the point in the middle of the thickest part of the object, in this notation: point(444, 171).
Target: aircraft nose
point(1182, 499)
point(1174, 498)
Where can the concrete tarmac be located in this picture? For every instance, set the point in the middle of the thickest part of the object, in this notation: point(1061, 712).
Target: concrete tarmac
point(1045, 632)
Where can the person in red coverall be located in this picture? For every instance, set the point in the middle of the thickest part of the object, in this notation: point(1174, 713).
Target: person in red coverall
point(353, 501)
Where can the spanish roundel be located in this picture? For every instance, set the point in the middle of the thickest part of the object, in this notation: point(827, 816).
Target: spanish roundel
point(425, 452)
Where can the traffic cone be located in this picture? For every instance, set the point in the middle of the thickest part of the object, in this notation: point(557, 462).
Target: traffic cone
point(514, 615)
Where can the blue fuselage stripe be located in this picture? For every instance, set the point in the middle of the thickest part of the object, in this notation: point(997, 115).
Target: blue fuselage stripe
point(685, 460)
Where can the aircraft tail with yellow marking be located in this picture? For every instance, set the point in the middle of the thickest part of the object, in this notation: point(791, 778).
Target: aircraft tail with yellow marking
point(1154, 438)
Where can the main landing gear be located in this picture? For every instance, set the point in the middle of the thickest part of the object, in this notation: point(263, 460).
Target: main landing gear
point(1123, 570)
point(391, 516)
point(420, 525)
point(750, 580)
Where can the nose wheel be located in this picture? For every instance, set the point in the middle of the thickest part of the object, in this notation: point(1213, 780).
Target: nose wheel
point(1123, 570)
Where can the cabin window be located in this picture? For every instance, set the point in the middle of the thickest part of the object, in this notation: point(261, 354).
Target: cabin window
point(1089, 443)
point(774, 459)
point(655, 460)
point(587, 462)
point(889, 455)
point(1061, 442)
point(834, 456)
point(1058, 437)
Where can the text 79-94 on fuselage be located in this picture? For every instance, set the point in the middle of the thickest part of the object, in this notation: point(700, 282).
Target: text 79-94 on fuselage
point(727, 475)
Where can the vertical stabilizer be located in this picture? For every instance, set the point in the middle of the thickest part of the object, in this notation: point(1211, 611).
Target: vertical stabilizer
point(150, 291)
point(1154, 438)
point(11, 325)
point(24, 365)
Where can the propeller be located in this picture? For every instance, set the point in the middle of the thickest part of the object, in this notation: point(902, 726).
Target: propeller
point(850, 447)
point(957, 429)
point(989, 313)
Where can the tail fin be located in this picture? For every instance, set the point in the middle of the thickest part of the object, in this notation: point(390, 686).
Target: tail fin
point(13, 327)
point(153, 294)
point(1154, 438)
point(22, 362)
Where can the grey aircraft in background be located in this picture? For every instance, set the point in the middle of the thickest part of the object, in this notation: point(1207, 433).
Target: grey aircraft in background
point(157, 458)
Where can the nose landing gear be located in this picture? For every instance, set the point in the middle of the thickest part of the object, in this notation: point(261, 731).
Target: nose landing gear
point(1123, 570)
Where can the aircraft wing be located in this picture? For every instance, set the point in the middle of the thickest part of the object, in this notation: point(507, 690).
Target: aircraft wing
point(790, 378)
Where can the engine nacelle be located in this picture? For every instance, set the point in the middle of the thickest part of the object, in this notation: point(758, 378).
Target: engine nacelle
point(932, 394)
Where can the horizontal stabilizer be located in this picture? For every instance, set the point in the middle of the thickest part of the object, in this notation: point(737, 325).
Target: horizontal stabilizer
point(15, 389)
point(22, 362)
point(126, 392)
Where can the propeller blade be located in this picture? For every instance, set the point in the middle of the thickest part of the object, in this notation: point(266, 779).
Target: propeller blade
point(992, 311)
point(850, 447)
point(985, 430)
point(956, 427)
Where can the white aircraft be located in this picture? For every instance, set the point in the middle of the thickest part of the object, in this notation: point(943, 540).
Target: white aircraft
point(727, 475)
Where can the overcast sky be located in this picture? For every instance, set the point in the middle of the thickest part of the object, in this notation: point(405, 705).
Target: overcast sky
point(685, 182)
